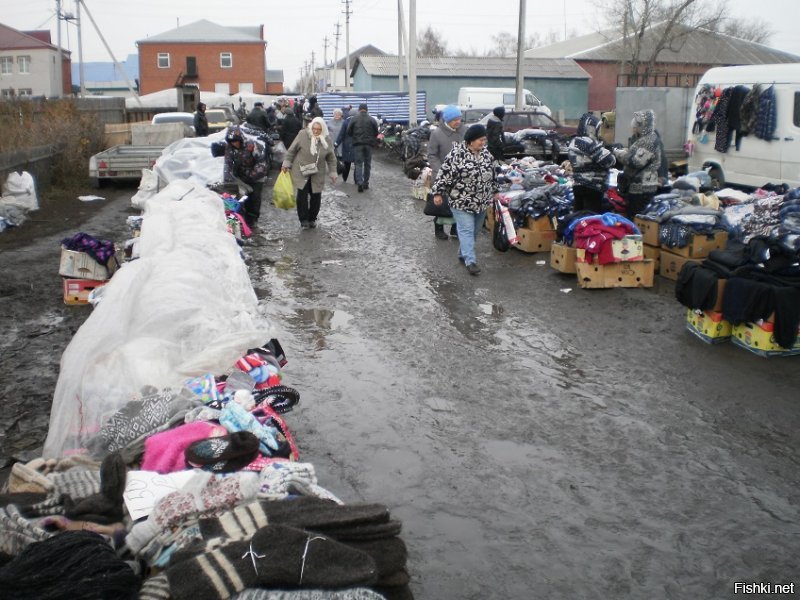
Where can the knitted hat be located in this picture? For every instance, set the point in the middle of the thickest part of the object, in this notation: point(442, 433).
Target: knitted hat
point(223, 454)
point(499, 112)
point(475, 132)
point(275, 556)
point(362, 106)
point(450, 112)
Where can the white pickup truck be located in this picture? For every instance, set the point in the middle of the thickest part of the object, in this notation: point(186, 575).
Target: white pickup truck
point(122, 162)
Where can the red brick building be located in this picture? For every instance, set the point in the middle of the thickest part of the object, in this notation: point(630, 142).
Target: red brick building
point(227, 60)
point(694, 52)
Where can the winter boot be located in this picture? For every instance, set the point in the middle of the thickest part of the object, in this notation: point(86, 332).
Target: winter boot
point(439, 230)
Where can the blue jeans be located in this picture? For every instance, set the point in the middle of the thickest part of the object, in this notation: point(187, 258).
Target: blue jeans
point(363, 156)
point(469, 226)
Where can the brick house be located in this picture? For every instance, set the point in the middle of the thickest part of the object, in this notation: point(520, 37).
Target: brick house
point(226, 60)
point(600, 54)
point(29, 65)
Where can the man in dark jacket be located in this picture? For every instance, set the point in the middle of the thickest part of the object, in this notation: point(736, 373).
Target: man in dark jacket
point(200, 121)
point(289, 127)
point(364, 131)
point(494, 131)
point(258, 117)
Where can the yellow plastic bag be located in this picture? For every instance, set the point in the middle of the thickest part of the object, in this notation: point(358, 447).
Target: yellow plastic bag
point(283, 192)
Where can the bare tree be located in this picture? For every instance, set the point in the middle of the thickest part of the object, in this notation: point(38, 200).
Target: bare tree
point(431, 44)
point(752, 30)
point(650, 27)
point(505, 44)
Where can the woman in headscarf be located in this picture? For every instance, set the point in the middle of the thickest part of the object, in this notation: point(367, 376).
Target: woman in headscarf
point(590, 162)
point(641, 162)
point(310, 158)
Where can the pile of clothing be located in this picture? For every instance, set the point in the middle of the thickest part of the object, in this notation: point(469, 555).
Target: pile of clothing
point(682, 215)
point(762, 283)
point(535, 189)
point(595, 234)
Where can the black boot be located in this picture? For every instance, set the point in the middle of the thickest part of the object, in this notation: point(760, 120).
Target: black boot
point(454, 230)
point(439, 230)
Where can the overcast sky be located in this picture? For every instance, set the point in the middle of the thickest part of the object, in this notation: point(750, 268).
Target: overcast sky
point(294, 29)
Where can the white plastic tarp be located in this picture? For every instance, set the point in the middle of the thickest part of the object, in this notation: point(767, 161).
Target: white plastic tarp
point(186, 307)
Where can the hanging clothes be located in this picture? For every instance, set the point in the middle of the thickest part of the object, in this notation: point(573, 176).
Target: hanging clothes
point(738, 95)
point(721, 121)
point(767, 115)
point(748, 113)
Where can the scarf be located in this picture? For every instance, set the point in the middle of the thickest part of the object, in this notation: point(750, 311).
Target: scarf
point(316, 140)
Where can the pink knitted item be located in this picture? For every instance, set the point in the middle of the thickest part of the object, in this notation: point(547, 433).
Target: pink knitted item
point(164, 452)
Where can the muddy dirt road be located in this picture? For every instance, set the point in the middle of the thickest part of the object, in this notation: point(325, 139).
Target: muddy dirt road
point(536, 443)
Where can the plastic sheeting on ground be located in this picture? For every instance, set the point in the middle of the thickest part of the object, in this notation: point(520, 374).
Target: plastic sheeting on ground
point(184, 308)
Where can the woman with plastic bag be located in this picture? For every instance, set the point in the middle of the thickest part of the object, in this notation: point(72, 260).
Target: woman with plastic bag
point(309, 159)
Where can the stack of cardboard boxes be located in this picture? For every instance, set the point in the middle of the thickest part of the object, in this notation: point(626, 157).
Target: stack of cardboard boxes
point(538, 235)
point(629, 268)
point(82, 274)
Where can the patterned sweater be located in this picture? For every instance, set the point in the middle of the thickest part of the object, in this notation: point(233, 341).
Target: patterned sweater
point(467, 178)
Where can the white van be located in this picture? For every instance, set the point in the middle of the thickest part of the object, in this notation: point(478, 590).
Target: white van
point(485, 97)
point(758, 161)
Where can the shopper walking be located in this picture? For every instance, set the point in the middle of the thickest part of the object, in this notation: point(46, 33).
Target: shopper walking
point(344, 148)
point(641, 162)
point(467, 177)
point(310, 158)
point(364, 131)
point(447, 134)
point(289, 127)
point(258, 117)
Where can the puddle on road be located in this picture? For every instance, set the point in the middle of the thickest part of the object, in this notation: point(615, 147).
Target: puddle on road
point(327, 319)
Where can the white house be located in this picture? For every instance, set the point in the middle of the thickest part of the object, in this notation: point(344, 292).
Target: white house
point(29, 65)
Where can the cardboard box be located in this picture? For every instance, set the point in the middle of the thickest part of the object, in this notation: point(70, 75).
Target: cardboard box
point(79, 265)
point(540, 224)
point(709, 326)
point(489, 222)
point(671, 264)
point(626, 249)
point(534, 241)
point(649, 229)
point(654, 254)
point(76, 291)
point(562, 258)
point(701, 245)
point(759, 339)
point(625, 274)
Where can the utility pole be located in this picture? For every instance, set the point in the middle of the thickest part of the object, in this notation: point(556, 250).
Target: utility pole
point(80, 48)
point(325, 63)
point(313, 81)
point(412, 62)
point(60, 66)
point(347, 13)
point(400, 29)
point(336, 35)
point(111, 54)
point(520, 53)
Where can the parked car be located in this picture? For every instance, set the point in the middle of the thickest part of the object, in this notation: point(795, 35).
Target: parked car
point(219, 119)
point(534, 133)
point(175, 117)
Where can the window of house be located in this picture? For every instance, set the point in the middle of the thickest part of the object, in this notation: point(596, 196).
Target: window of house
point(8, 93)
point(24, 92)
point(225, 60)
point(6, 65)
point(245, 88)
point(24, 64)
point(163, 60)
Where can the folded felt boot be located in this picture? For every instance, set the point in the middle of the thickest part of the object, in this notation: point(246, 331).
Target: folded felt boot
point(25, 479)
point(304, 513)
point(390, 555)
point(223, 454)
point(275, 556)
point(106, 506)
point(364, 531)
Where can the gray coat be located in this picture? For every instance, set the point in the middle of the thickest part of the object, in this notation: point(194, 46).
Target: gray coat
point(299, 153)
point(441, 142)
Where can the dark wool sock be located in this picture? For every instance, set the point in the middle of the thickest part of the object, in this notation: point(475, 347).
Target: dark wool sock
point(304, 513)
point(73, 564)
point(390, 555)
point(275, 556)
point(363, 532)
point(223, 454)
point(105, 507)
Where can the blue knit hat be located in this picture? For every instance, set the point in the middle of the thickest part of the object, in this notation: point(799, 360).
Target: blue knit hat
point(450, 112)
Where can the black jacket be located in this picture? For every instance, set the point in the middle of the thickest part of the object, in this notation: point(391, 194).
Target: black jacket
point(290, 127)
point(258, 118)
point(200, 124)
point(363, 129)
point(496, 139)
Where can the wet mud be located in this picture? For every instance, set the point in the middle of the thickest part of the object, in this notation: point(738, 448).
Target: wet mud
point(535, 443)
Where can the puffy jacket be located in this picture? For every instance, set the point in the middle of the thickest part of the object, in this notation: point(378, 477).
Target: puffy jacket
point(442, 140)
point(363, 129)
point(496, 137)
point(642, 160)
point(344, 143)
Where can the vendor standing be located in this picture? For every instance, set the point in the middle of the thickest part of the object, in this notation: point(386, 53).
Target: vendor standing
point(495, 134)
point(590, 162)
point(245, 163)
point(640, 163)
point(447, 134)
